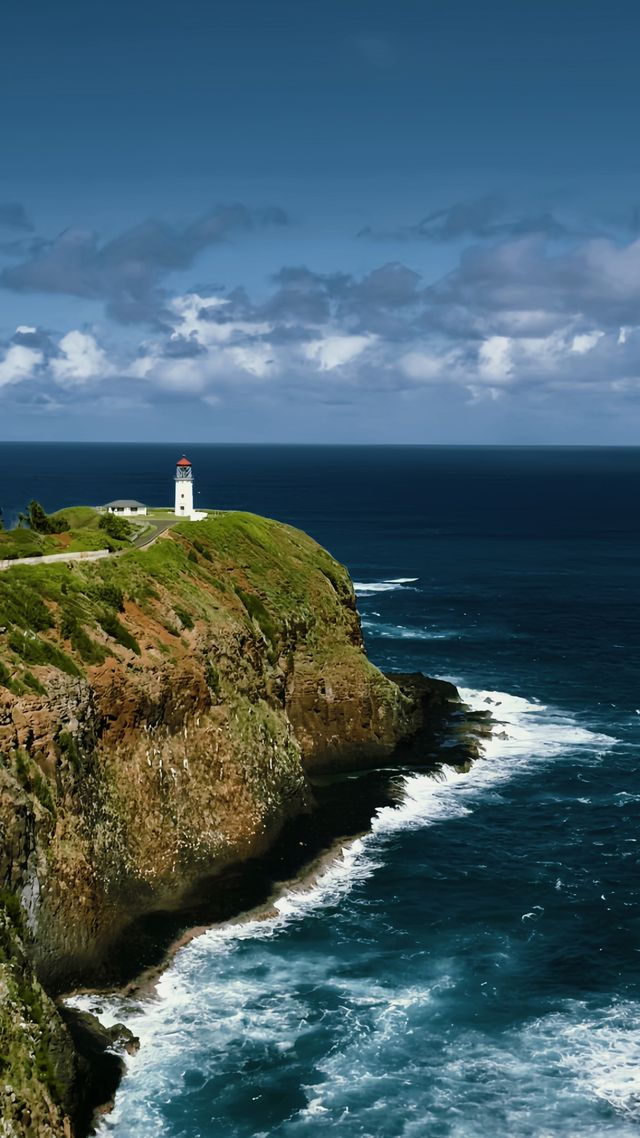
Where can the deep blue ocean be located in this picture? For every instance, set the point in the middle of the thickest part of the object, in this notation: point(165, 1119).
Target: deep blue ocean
point(472, 966)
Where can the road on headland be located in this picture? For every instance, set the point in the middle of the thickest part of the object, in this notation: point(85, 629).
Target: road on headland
point(149, 534)
point(147, 537)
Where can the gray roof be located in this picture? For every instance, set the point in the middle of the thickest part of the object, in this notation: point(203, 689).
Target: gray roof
point(122, 502)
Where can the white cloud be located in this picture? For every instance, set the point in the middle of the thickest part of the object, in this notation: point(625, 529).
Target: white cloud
point(482, 394)
point(255, 359)
point(81, 359)
point(494, 359)
point(333, 351)
point(19, 363)
point(427, 366)
point(187, 375)
point(514, 319)
point(585, 342)
point(194, 323)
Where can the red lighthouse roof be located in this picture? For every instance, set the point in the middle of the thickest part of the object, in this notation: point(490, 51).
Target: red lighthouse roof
point(184, 462)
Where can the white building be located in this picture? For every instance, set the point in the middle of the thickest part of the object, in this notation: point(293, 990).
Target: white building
point(127, 507)
point(184, 492)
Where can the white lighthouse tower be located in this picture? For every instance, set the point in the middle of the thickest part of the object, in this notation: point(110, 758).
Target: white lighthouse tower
point(184, 489)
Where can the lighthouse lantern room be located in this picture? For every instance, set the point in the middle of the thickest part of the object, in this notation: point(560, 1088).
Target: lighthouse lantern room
point(184, 489)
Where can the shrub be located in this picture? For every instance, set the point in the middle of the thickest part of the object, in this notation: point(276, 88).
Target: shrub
point(184, 617)
point(37, 651)
point(146, 592)
point(81, 642)
point(68, 625)
point(117, 528)
point(88, 649)
point(11, 905)
point(202, 550)
point(32, 682)
point(69, 748)
point(117, 631)
point(110, 594)
point(32, 779)
point(259, 614)
point(22, 606)
point(212, 676)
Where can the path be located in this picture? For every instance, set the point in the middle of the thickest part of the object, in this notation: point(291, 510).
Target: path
point(158, 526)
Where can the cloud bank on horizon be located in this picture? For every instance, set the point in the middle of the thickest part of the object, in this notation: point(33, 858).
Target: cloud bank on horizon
point(527, 315)
point(513, 316)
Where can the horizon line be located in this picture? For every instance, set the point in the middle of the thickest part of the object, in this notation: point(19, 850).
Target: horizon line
point(335, 445)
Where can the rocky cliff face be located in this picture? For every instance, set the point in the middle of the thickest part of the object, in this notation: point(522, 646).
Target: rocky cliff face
point(159, 715)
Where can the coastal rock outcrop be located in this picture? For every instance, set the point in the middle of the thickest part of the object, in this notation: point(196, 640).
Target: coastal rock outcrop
point(160, 715)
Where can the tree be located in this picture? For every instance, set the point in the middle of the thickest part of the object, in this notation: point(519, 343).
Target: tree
point(118, 528)
point(41, 522)
point(37, 517)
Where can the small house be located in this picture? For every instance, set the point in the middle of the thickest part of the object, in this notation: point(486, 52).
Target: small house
point(126, 507)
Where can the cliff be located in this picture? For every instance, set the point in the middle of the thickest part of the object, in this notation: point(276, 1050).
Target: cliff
point(160, 713)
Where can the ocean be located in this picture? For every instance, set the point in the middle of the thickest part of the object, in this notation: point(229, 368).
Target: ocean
point(472, 965)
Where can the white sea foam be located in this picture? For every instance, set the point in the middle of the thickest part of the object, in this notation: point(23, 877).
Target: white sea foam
point(404, 632)
point(600, 1049)
point(370, 588)
point(545, 1077)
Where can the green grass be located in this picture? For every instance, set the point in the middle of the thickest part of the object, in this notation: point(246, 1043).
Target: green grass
point(79, 517)
point(24, 543)
point(235, 568)
point(84, 533)
point(167, 512)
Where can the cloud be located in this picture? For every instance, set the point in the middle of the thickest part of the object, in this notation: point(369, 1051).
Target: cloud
point(426, 364)
point(391, 286)
point(598, 280)
point(127, 271)
point(495, 363)
point(334, 350)
point(519, 322)
point(484, 218)
point(304, 299)
point(13, 216)
point(19, 363)
point(80, 359)
point(180, 347)
point(586, 341)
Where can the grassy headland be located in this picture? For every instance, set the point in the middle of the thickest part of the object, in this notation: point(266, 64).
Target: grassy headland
point(71, 616)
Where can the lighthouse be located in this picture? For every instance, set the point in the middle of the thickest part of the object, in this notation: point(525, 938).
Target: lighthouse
point(184, 489)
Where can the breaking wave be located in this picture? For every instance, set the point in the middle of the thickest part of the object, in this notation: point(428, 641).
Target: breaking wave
point(391, 584)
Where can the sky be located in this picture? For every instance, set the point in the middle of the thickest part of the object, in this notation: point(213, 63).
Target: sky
point(353, 221)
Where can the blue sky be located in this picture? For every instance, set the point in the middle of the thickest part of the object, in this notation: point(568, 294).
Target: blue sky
point(347, 220)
